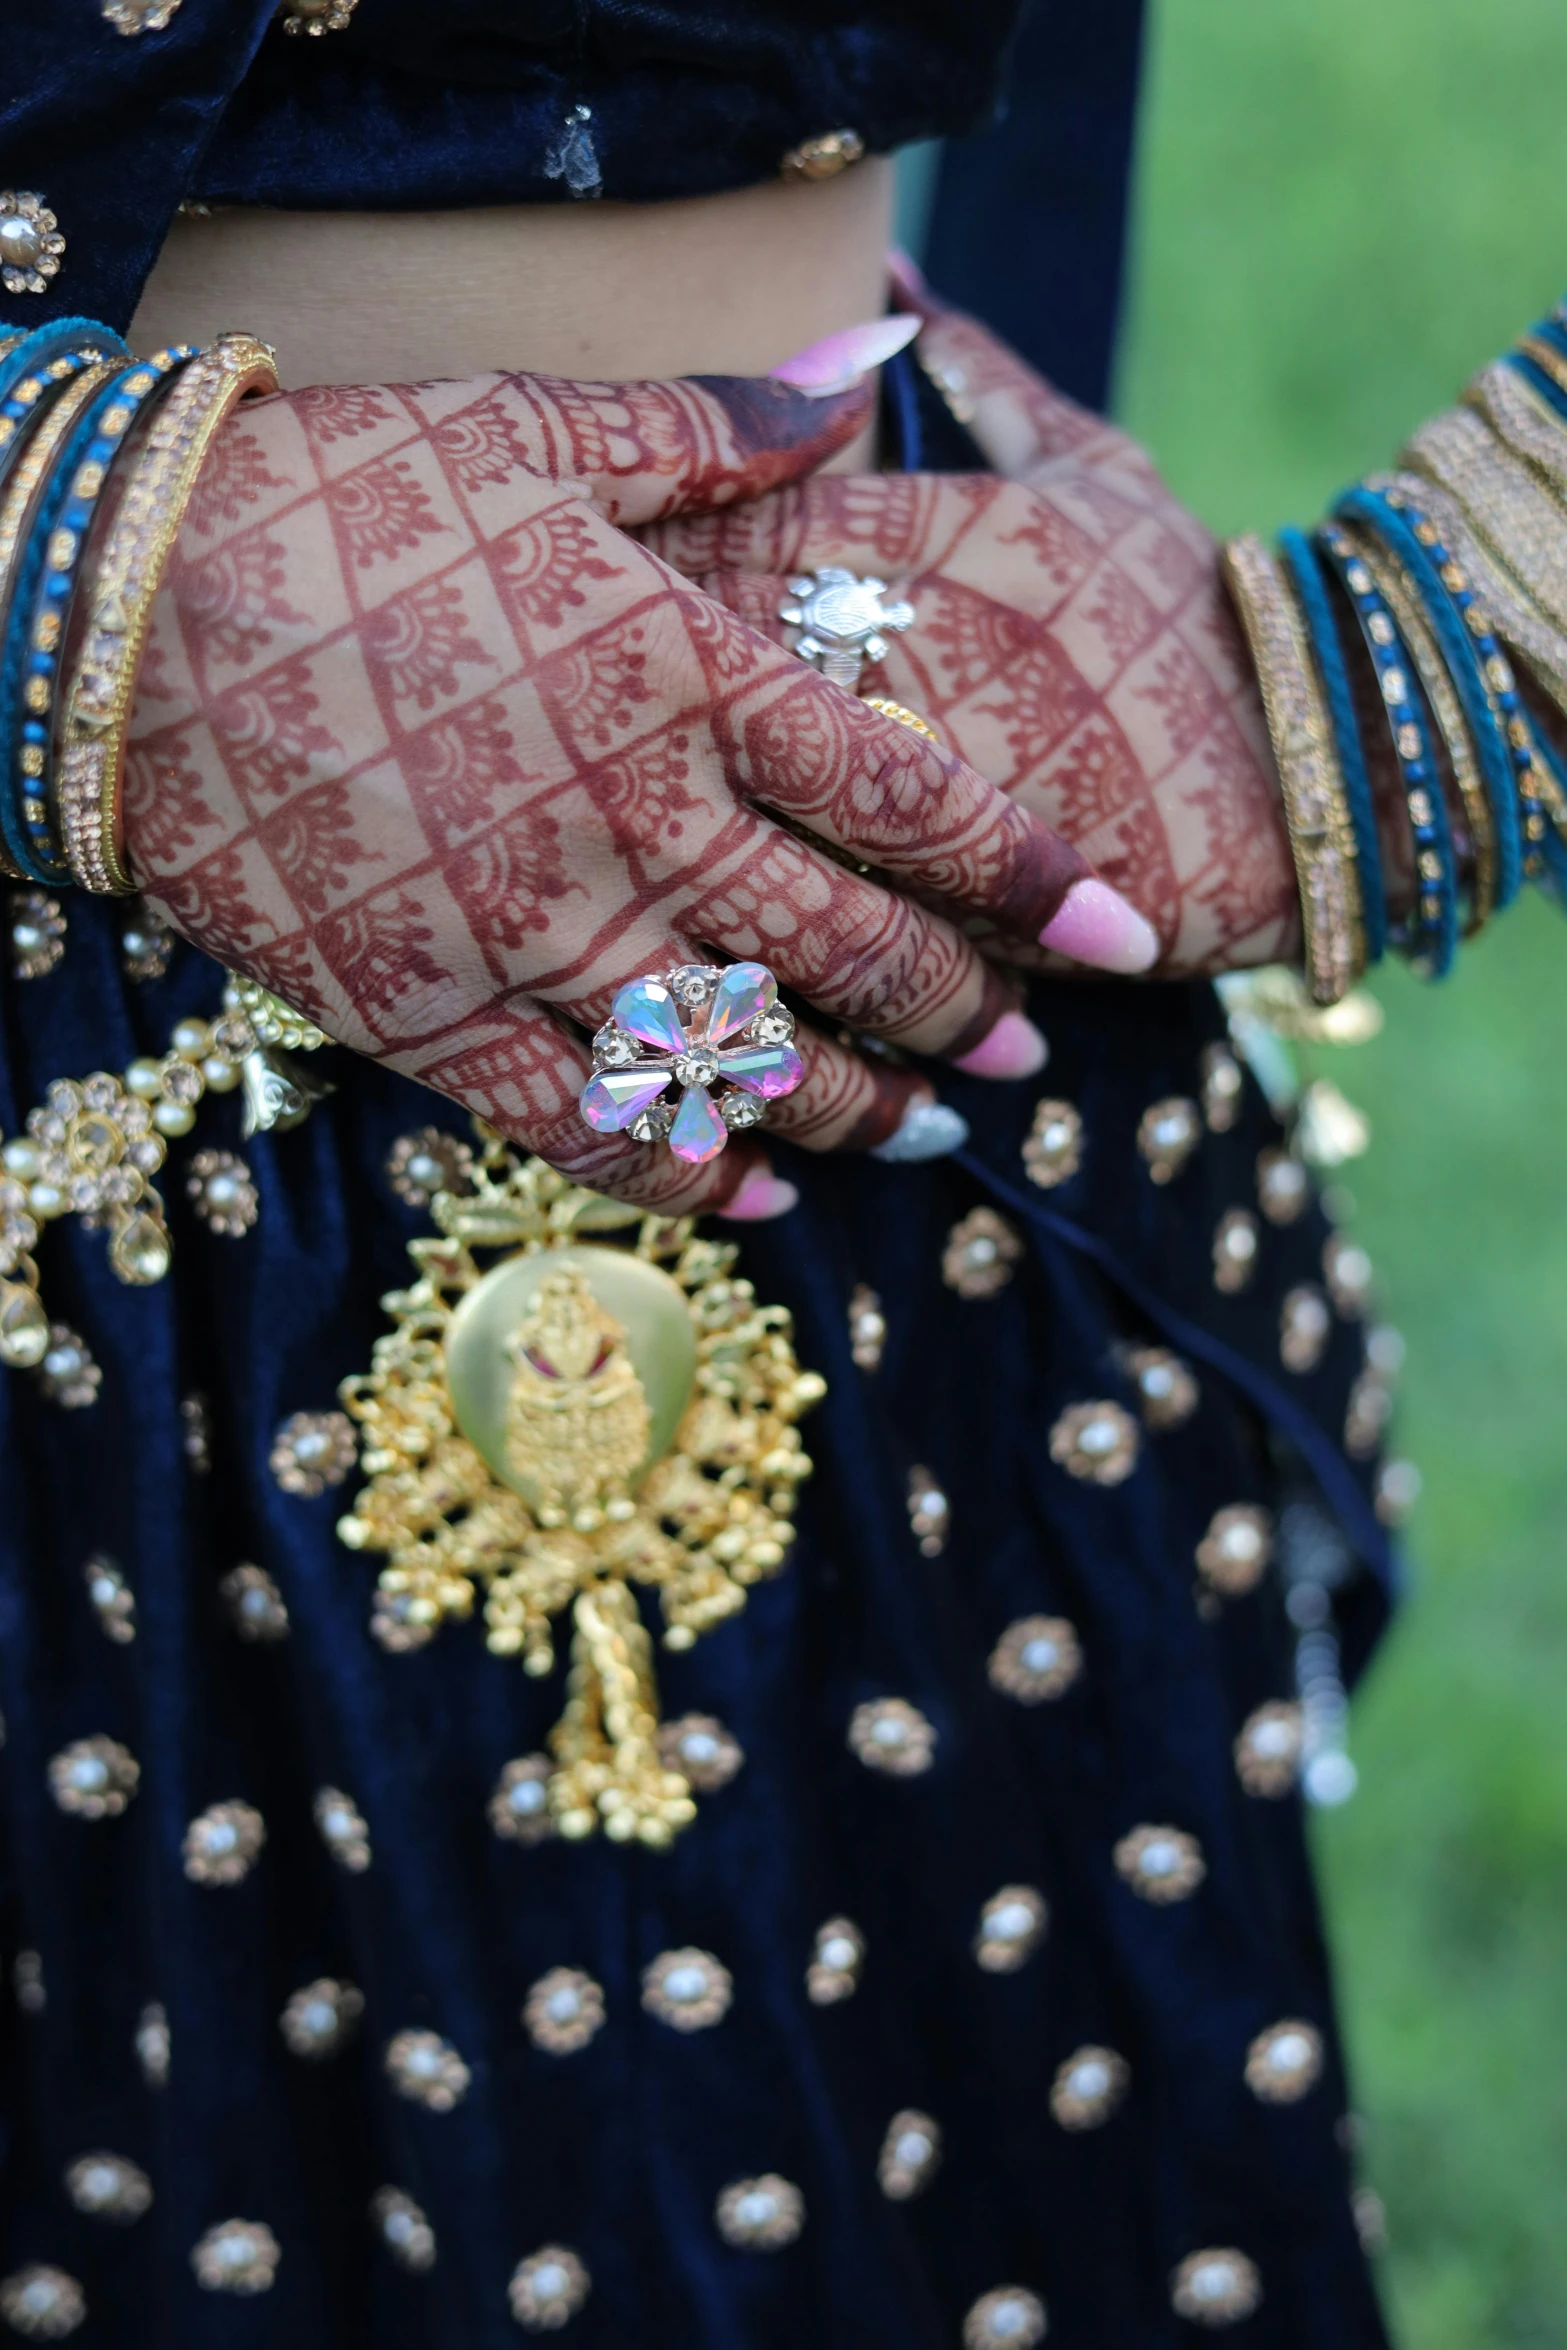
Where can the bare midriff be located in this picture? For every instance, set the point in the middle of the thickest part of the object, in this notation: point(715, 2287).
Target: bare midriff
point(728, 284)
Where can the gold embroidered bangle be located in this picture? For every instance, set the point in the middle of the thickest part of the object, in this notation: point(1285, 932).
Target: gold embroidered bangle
point(1316, 805)
point(1397, 592)
point(1523, 423)
point(1517, 617)
point(1506, 505)
point(124, 586)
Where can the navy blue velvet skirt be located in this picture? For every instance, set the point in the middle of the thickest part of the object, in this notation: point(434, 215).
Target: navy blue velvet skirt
point(989, 1980)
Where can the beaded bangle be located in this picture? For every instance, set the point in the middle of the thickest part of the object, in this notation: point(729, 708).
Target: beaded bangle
point(1434, 939)
point(1402, 598)
point(137, 550)
point(1316, 810)
point(1311, 592)
point(32, 354)
point(60, 533)
point(1480, 670)
point(1523, 422)
point(17, 503)
point(1519, 621)
point(31, 401)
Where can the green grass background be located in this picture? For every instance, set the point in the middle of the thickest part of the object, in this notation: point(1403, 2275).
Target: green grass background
point(1345, 206)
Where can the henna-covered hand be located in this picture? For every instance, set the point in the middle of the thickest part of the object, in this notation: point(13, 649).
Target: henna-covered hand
point(429, 745)
point(1073, 642)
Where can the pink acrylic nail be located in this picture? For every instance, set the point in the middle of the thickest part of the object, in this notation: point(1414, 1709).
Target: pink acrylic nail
point(1095, 924)
point(1014, 1048)
point(761, 1196)
point(838, 361)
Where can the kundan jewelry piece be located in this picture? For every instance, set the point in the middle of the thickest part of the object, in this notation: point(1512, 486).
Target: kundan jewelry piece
point(843, 621)
point(698, 1028)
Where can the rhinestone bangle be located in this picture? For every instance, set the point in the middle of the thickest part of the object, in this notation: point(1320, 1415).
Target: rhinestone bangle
point(136, 554)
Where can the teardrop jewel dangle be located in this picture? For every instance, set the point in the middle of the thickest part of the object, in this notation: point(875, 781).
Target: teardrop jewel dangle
point(721, 1036)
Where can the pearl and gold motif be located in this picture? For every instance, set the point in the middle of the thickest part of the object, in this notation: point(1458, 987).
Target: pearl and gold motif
point(311, 1451)
point(702, 1749)
point(1233, 1555)
point(36, 923)
point(1269, 1748)
point(1161, 1864)
point(313, 18)
point(981, 1254)
point(237, 2256)
point(420, 1165)
point(824, 156)
point(1011, 1927)
point(196, 1434)
point(582, 1418)
point(837, 1954)
point(403, 2228)
point(1235, 1246)
point(427, 2070)
point(1053, 1151)
point(1284, 2062)
point(910, 2156)
point(760, 2215)
point(1010, 2318)
point(68, 1373)
point(31, 246)
point(94, 1778)
point(1037, 1658)
point(1167, 1390)
point(867, 1328)
point(220, 1188)
point(1097, 1441)
point(1167, 1134)
point(221, 1844)
point(341, 1826)
point(1305, 1326)
point(139, 16)
point(42, 2303)
point(1218, 2287)
point(1223, 1087)
point(109, 2186)
point(1283, 1186)
point(321, 2018)
point(1088, 2087)
point(113, 1601)
point(146, 943)
point(930, 1513)
point(519, 1807)
point(888, 1734)
point(688, 1989)
point(1349, 1273)
point(254, 1603)
point(547, 2289)
point(563, 2011)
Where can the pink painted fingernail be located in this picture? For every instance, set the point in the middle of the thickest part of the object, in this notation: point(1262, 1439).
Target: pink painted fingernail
point(1095, 924)
point(838, 361)
point(1014, 1048)
point(761, 1196)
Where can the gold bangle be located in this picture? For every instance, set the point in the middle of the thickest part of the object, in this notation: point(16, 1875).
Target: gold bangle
point(1523, 423)
point(1316, 804)
point(1516, 616)
point(125, 585)
point(1509, 508)
point(1393, 585)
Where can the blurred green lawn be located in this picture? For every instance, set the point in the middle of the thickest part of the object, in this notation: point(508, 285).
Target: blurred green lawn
point(1345, 206)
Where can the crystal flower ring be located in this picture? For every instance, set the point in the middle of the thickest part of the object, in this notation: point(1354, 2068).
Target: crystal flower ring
point(721, 1037)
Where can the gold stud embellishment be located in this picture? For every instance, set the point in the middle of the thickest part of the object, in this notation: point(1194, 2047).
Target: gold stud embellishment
point(196, 1434)
point(1161, 1864)
point(1349, 1273)
point(888, 1734)
point(1268, 1749)
point(1235, 1245)
point(1011, 1927)
point(108, 2186)
point(313, 18)
point(1283, 1186)
point(981, 1254)
point(1088, 2087)
point(31, 246)
point(702, 1749)
point(146, 943)
point(427, 2070)
point(321, 2018)
point(152, 2045)
point(563, 2011)
point(68, 1373)
point(37, 927)
point(43, 2303)
point(1233, 1555)
point(1284, 2063)
point(340, 1824)
point(837, 1955)
point(547, 2289)
point(237, 2256)
point(584, 1417)
point(1037, 1658)
point(221, 1844)
point(688, 1989)
point(760, 2215)
point(255, 1604)
point(1054, 1149)
point(113, 1600)
point(1097, 1441)
point(220, 1188)
point(94, 1779)
point(823, 157)
point(311, 1451)
point(867, 1328)
point(1216, 2288)
point(1010, 2318)
point(519, 1807)
point(419, 1165)
point(1222, 1088)
point(1167, 1390)
point(403, 2228)
point(139, 16)
point(930, 1513)
point(1305, 1326)
point(1167, 1134)
point(910, 2156)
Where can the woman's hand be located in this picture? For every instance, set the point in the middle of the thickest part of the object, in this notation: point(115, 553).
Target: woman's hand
point(427, 744)
point(1072, 641)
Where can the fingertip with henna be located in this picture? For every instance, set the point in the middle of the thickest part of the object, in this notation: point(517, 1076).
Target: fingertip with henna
point(838, 361)
point(1095, 924)
point(1014, 1048)
point(761, 1196)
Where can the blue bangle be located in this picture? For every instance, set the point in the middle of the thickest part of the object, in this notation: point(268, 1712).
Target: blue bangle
point(1481, 672)
point(1553, 792)
point(1433, 940)
point(40, 609)
point(36, 351)
point(31, 400)
point(1312, 593)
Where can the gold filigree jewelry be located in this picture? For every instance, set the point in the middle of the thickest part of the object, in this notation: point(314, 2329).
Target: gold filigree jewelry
point(823, 157)
point(584, 1417)
point(315, 17)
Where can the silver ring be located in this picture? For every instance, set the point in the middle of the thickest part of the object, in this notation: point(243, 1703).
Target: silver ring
point(843, 622)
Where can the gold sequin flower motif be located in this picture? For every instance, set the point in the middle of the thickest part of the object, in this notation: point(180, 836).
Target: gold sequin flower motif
point(1054, 1149)
point(403, 2229)
point(321, 2018)
point(428, 2070)
point(1235, 1246)
point(1161, 1864)
point(37, 927)
point(1268, 1749)
point(1305, 1326)
point(888, 1734)
point(547, 2289)
point(1283, 1186)
point(520, 1805)
point(68, 1374)
point(1098, 1441)
point(1284, 2062)
point(760, 2215)
point(94, 1778)
point(910, 2156)
point(1036, 1659)
point(1010, 2318)
point(1233, 1555)
point(220, 1188)
point(222, 1842)
point(113, 1601)
point(420, 1165)
point(1167, 1134)
point(311, 1451)
point(702, 1750)
point(1218, 2287)
point(1088, 2087)
point(930, 1513)
point(237, 2256)
point(563, 2011)
point(254, 1603)
point(1011, 1927)
point(981, 1254)
point(837, 1955)
point(341, 1826)
point(689, 1989)
point(108, 2186)
point(1167, 1391)
point(43, 2303)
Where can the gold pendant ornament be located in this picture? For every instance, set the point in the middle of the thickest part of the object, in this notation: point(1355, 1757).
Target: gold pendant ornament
point(585, 1416)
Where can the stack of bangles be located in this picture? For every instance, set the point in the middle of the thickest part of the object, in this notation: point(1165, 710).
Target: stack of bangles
point(100, 455)
point(1415, 600)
